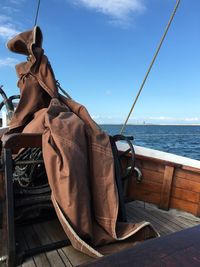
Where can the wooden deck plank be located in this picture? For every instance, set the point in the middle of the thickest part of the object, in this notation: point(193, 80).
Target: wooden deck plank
point(164, 222)
point(54, 230)
point(179, 219)
point(133, 218)
point(161, 228)
point(153, 219)
point(32, 240)
point(55, 233)
point(24, 246)
point(65, 258)
point(28, 263)
point(51, 231)
point(172, 215)
point(53, 256)
point(175, 223)
point(187, 221)
point(73, 256)
point(76, 257)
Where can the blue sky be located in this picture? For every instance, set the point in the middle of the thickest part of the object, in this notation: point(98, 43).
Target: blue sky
point(100, 51)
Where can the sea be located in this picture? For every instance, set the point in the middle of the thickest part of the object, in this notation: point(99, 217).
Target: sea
point(183, 140)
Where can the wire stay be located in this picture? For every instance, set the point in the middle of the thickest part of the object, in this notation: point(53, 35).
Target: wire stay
point(37, 12)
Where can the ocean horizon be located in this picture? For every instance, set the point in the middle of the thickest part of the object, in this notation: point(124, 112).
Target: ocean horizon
point(183, 140)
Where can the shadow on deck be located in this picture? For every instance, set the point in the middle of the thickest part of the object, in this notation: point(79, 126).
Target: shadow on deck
point(51, 231)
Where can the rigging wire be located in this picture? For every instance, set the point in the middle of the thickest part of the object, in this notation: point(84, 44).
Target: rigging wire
point(57, 83)
point(62, 90)
point(151, 65)
point(37, 12)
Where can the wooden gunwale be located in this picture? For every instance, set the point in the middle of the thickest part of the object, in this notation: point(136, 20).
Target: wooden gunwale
point(164, 158)
point(169, 181)
point(168, 163)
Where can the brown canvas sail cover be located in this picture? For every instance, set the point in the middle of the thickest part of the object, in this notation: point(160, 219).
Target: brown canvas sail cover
point(77, 154)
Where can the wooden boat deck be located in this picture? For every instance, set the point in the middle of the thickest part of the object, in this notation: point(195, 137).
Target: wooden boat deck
point(165, 222)
point(44, 233)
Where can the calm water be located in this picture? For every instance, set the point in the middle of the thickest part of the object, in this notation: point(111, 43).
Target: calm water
point(180, 140)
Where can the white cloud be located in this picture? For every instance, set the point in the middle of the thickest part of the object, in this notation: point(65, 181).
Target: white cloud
point(9, 10)
point(192, 119)
point(118, 10)
point(7, 25)
point(8, 62)
point(163, 118)
point(94, 117)
point(173, 120)
point(102, 119)
point(7, 31)
point(16, 2)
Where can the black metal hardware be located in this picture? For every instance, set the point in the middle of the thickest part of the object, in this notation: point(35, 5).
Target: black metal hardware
point(119, 177)
point(28, 197)
point(122, 173)
point(8, 102)
point(9, 225)
point(130, 151)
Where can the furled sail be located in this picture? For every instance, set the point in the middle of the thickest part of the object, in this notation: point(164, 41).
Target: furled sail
point(77, 154)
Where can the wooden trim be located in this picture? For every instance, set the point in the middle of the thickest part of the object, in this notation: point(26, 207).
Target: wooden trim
point(184, 205)
point(162, 157)
point(192, 169)
point(166, 188)
point(22, 140)
point(160, 161)
point(198, 209)
point(156, 160)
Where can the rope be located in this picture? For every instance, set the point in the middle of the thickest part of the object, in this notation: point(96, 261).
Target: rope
point(152, 62)
point(62, 90)
point(37, 12)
